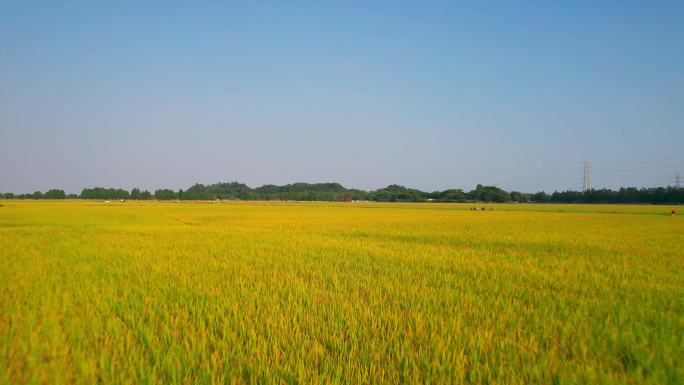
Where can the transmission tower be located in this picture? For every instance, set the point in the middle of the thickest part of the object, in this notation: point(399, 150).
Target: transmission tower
point(585, 182)
point(678, 181)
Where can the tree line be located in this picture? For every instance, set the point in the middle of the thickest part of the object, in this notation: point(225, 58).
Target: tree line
point(391, 193)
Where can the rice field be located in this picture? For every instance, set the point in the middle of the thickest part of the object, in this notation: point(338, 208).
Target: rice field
point(352, 293)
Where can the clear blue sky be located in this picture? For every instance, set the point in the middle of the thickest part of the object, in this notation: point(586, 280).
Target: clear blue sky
point(426, 94)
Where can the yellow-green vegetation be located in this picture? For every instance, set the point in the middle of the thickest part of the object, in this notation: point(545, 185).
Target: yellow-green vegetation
point(171, 293)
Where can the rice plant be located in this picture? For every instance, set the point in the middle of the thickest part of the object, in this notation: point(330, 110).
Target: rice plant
point(317, 293)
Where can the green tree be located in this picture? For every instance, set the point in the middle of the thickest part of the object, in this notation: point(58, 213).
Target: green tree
point(489, 194)
point(55, 194)
point(165, 194)
point(135, 193)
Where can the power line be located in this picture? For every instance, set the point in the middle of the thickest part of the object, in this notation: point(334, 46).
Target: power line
point(663, 172)
point(646, 162)
point(663, 175)
point(639, 177)
point(642, 168)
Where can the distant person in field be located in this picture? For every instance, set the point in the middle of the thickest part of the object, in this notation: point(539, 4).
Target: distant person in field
point(673, 213)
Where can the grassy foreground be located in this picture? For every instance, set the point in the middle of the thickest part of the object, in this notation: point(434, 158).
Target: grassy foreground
point(184, 293)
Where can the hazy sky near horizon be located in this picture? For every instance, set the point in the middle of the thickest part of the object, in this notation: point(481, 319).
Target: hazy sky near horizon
point(430, 95)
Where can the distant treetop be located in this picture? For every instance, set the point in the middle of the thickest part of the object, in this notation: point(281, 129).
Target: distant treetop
point(393, 193)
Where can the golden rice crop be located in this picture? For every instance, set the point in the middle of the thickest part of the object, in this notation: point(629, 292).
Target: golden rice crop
point(313, 293)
